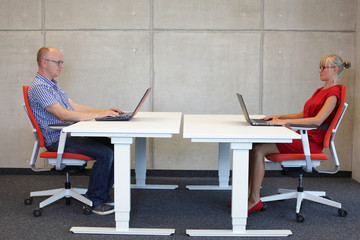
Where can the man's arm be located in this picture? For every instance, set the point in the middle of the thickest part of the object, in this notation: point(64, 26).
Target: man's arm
point(81, 108)
point(80, 113)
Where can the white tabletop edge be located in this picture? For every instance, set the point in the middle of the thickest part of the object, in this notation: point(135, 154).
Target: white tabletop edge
point(146, 124)
point(232, 128)
point(243, 140)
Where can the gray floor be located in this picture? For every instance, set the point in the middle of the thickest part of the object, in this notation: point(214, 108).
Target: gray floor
point(180, 209)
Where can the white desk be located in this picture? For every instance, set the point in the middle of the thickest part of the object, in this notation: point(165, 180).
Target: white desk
point(144, 125)
point(223, 168)
point(240, 135)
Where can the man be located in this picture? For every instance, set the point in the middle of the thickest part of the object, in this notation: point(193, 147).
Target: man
point(51, 105)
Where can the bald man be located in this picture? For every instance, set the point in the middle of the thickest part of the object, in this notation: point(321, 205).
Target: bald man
point(51, 105)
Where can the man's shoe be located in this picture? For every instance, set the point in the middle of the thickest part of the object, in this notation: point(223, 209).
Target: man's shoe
point(109, 201)
point(103, 209)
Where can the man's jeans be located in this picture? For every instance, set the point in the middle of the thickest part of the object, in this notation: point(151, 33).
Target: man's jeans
point(102, 173)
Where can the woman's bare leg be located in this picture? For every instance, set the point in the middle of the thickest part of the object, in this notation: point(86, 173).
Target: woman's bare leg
point(257, 169)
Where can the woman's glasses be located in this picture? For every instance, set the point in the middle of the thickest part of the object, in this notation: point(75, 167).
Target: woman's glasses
point(323, 67)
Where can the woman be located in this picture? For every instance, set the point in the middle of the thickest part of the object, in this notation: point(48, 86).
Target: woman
point(319, 110)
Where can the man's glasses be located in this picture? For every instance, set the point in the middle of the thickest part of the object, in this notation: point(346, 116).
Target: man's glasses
point(323, 67)
point(59, 63)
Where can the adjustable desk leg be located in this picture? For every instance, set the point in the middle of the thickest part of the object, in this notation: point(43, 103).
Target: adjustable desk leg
point(223, 172)
point(239, 200)
point(224, 165)
point(140, 168)
point(122, 196)
point(122, 180)
point(140, 161)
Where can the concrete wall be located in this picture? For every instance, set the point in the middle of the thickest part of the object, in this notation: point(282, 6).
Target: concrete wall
point(195, 54)
point(356, 114)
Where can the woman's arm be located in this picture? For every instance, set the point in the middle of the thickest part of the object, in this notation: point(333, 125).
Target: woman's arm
point(286, 116)
point(322, 115)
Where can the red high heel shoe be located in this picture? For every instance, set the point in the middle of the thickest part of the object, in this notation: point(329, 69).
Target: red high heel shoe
point(258, 207)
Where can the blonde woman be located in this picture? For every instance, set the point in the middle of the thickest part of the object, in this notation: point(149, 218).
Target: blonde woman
point(319, 110)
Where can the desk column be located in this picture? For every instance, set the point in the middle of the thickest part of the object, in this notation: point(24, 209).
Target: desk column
point(140, 161)
point(224, 165)
point(239, 201)
point(122, 165)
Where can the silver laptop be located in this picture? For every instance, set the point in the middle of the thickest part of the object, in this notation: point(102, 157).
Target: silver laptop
point(253, 122)
point(126, 116)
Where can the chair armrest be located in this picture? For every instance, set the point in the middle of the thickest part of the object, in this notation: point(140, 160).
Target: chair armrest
point(302, 127)
point(305, 142)
point(59, 126)
point(60, 152)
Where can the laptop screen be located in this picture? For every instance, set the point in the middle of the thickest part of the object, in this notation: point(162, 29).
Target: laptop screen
point(141, 102)
point(243, 107)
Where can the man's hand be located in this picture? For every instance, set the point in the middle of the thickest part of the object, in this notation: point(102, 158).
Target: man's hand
point(111, 112)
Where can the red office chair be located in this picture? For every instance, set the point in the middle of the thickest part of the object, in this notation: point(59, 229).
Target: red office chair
point(61, 160)
point(307, 162)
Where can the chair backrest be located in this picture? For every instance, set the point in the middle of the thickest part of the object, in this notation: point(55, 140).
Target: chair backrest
point(336, 121)
point(32, 117)
point(58, 160)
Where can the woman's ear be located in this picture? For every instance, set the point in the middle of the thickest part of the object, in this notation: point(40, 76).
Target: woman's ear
point(336, 70)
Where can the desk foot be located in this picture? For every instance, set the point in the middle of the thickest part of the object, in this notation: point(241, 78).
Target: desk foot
point(130, 231)
point(246, 233)
point(208, 187)
point(153, 186)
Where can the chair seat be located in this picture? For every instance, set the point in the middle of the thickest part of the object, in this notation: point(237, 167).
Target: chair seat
point(48, 154)
point(295, 156)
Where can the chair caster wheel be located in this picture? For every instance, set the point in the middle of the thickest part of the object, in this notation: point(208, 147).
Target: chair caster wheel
point(37, 212)
point(299, 218)
point(264, 207)
point(28, 201)
point(87, 210)
point(342, 212)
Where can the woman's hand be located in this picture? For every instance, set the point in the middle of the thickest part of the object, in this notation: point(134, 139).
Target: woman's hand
point(277, 121)
point(269, 118)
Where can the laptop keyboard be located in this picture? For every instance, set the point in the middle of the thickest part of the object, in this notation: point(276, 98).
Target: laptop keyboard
point(117, 118)
point(259, 120)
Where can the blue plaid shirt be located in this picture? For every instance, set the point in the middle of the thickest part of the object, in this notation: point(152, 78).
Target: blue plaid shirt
point(42, 94)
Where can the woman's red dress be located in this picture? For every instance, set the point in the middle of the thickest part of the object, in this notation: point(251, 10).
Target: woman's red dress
point(311, 109)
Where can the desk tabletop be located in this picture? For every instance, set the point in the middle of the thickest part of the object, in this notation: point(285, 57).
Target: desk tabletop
point(144, 123)
point(232, 128)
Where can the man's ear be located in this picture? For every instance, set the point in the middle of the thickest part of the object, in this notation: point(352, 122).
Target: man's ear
point(43, 62)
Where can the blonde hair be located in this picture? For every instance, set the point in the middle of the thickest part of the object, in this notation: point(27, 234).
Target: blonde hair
point(336, 61)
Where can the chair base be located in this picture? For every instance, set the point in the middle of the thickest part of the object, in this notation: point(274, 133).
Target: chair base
point(315, 196)
point(59, 193)
point(55, 194)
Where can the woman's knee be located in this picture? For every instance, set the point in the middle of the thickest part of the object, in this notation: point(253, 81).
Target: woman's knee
point(263, 149)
